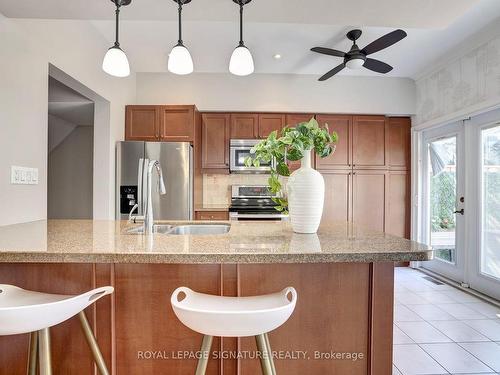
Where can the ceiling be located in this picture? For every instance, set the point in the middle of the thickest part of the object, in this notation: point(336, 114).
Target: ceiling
point(67, 104)
point(388, 13)
point(286, 27)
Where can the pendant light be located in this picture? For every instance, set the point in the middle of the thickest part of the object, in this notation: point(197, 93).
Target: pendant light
point(179, 59)
point(241, 63)
point(115, 61)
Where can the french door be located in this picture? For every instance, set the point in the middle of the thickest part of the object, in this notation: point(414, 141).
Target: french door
point(460, 201)
point(443, 199)
point(484, 241)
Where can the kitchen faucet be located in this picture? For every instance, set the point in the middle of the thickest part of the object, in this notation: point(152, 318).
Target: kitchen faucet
point(148, 214)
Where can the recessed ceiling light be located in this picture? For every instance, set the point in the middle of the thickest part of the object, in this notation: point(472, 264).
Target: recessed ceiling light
point(277, 56)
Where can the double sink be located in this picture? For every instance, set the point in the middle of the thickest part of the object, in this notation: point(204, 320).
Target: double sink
point(183, 229)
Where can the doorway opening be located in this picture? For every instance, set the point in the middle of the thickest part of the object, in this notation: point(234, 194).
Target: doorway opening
point(99, 204)
point(70, 153)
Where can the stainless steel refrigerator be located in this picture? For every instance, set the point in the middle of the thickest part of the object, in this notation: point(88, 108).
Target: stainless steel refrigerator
point(176, 160)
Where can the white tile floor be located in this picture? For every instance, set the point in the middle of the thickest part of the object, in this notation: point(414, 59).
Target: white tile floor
point(439, 329)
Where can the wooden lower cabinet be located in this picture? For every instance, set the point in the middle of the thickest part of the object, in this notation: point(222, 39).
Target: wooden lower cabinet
point(338, 191)
point(341, 308)
point(369, 198)
point(212, 215)
point(398, 204)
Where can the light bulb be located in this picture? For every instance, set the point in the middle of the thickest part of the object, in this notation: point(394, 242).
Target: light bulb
point(355, 63)
point(115, 62)
point(241, 63)
point(180, 61)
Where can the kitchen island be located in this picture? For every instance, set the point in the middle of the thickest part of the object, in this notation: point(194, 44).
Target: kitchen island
point(344, 276)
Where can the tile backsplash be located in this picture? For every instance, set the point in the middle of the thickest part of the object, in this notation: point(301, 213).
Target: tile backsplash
point(217, 187)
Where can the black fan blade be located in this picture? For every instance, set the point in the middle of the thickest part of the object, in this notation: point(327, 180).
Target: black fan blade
point(377, 66)
point(328, 51)
point(385, 41)
point(332, 72)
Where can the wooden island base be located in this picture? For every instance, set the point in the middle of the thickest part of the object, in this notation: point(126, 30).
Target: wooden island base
point(342, 323)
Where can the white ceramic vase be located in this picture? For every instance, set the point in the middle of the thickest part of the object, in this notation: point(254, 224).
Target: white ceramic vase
point(306, 195)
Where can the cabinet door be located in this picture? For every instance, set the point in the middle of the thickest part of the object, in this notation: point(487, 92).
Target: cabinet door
point(215, 141)
point(398, 144)
point(339, 320)
point(212, 215)
point(341, 158)
point(270, 122)
point(368, 199)
point(398, 204)
point(142, 123)
point(177, 123)
point(291, 120)
point(244, 125)
point(338, 186)
point(368, 143)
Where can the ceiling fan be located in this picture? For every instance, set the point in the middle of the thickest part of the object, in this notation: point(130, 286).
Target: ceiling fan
point(356, 58)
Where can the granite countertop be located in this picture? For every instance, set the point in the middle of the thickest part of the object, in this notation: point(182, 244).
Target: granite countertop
point(87, 241)
point(212, 207)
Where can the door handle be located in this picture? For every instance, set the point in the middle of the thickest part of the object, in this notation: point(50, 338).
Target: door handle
point(461, 212)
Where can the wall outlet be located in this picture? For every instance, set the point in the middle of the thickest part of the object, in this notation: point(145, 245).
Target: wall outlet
point(23, 175)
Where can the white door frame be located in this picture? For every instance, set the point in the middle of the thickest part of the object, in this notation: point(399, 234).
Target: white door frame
point(475, 278)
point(472, 185)
point(455, 271)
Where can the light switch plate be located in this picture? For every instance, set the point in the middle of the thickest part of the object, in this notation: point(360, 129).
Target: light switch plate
point(23, 175)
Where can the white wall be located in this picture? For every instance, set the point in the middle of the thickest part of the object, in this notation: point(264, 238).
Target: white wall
point(273, 92)
point(464, 83)
point(27, 48)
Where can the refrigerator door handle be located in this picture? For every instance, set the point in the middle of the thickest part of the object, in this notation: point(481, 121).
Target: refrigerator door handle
point(140, 185)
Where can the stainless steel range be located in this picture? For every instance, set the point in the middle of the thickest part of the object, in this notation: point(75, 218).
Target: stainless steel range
point(253, 202)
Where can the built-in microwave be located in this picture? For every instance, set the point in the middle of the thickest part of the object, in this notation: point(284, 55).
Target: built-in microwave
point(239, 151)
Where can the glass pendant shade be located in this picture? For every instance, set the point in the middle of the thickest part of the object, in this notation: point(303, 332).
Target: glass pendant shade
point(241, 63)
point(355, 63)
point(115, 62)
point(180, 61)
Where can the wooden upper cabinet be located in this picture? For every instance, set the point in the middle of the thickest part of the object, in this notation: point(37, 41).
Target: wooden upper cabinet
point(177, 123)
point(215, 141)
point(398, 144)
point(369, 199)
point(369, 142)
point(142, 122)
point(292, 119)
point(341, 158)
point(173, 123)
point(269, 122)
point(244, 125)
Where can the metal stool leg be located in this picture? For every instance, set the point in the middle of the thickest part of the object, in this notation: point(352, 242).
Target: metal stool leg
point(44, 351)
point(270, 351)
point(33, 353)
point(92, 342)
point(264, 355)
point(206, 344)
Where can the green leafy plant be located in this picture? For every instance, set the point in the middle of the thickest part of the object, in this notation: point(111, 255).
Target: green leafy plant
point(290, 145)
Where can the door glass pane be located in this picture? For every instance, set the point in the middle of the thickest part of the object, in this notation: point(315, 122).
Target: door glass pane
point(442, 163)
point(490, 202)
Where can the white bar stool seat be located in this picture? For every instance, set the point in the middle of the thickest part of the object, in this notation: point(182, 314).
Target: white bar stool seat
point(25, 311)
point(234, 317)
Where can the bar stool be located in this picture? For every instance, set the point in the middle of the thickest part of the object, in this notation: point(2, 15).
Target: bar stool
point(24, 311)
point(234, 317)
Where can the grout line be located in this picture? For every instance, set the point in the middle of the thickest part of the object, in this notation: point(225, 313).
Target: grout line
point(432, 325)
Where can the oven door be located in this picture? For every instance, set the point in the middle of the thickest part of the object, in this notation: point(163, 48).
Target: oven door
point(242, 216)
point(237, 158)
